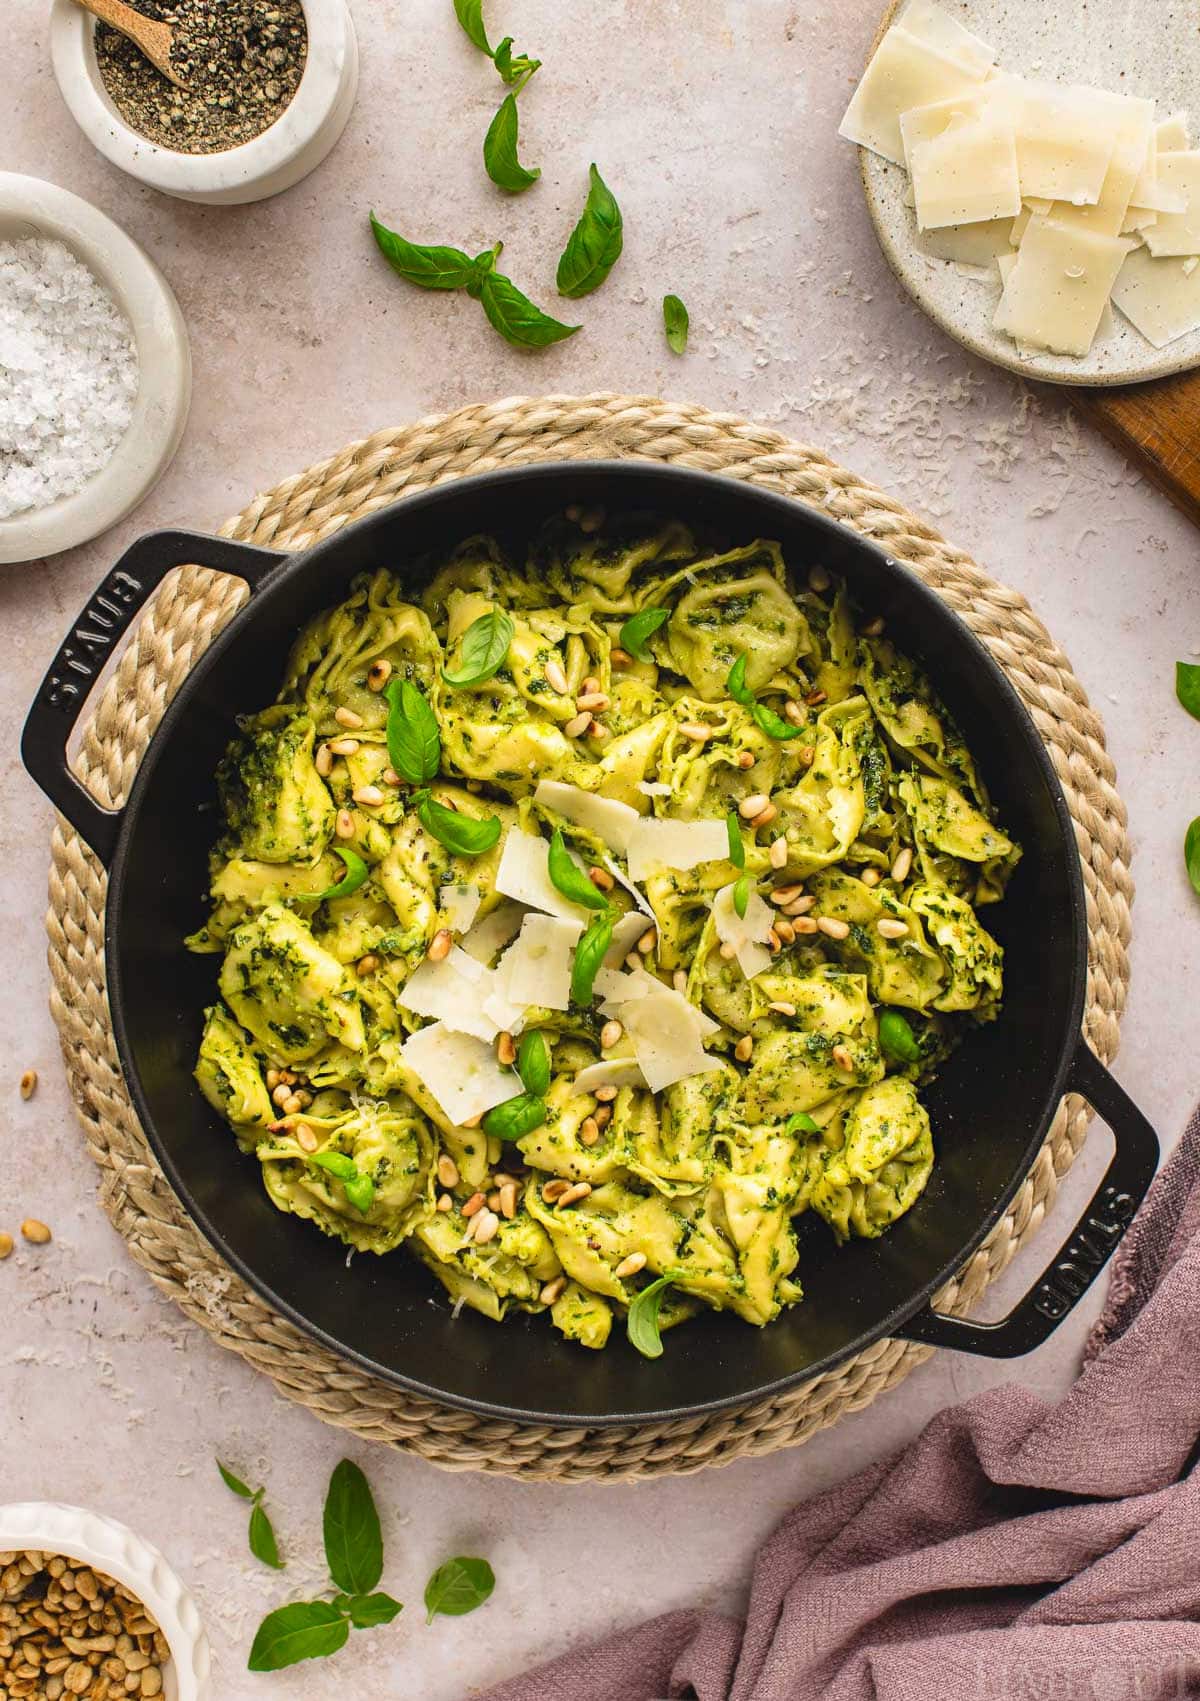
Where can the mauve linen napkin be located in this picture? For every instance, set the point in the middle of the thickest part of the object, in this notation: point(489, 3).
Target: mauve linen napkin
point(1016, 1550)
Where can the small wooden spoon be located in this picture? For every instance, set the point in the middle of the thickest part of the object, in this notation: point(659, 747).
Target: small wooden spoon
point(148, 34)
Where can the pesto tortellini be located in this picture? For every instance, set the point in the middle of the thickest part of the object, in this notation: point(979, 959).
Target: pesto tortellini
point(627, 950)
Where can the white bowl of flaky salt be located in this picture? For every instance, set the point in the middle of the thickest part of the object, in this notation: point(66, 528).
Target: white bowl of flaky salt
point(95, 371)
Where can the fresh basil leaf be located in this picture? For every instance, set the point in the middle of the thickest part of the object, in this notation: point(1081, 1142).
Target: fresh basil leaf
point(767, 719)
point(772, 724)
point(413, 741)
point(235, 1483)
point(589, 954)
point(462, 834)
point(897, 1039)
point(428, 268)
point(594, 246)
point(515, 1117)
point(516, 318)
point(484, 649)
point(800, 1123)
point(470, 15)
point(366, 1611)
point(353, 1539)
point(642, 1325)
point(741, 895)
point(306, 1630)
point(533, 1063)
point(458, 1587)
point(569, 878)
point(337, 1163)
point(360, 1191)
point(675, 323)
point(735, 684)
point(514, 67)
point(500, 150)
point(1191, 853)
point(354, 877)
point(262, 1538)
point(737, 849)
point(480, 267)
point(1187, 686)
point(641, 626)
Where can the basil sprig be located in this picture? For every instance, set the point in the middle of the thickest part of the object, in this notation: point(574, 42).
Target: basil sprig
point(533, 1063)
point(470, 15)
point(514, 68)
point(641, 626)
point(569, 878)
point(413, 740)
point(516, 318)
point(464, 835)
point(1187, 686)
point(642, 1324)
point(589, 955)
point(675, 323)
point(261, 1534)
point(800, 1123)
point(500, 150)
point(357, 1186)
point(515, 1117)
point(309, 1630)
point(772, 724)
point(594, 246)
point(1191, 854)
point(897, 1039)
point(427, 267)
point(458, 1587)
point(354, 877)
point(484, 649)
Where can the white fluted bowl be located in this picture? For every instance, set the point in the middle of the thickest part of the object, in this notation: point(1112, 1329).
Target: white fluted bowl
point(107, 1546)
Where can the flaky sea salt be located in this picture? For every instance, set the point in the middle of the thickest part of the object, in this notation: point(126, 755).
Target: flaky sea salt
point(68, 375)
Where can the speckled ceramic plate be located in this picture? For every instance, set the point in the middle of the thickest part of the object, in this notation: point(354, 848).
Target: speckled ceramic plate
point(1137, 47)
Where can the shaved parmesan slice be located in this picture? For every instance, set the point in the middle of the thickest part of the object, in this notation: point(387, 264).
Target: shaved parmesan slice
point(941, 31)
point(1065, 138)
point(1056, 291)
point(460, 992)
point(969, 244)
point(634, 892)
point(609, 986)
point(495, 931)
point(665, 1038)
point(459, 1070)
point(460, 906)
point(903, 73)
point(967, 173)
point(626, 933)
point(925, 123)
point(1161, 297)
point(675, 844)
point(747, 934)
point(1172, 134)
point(1133, 145)
point(654, 788)
point(610, 1072)
point(524, 874)
point(536, 969)
point(609, 820)
point(640, 986)
point(1177, 232)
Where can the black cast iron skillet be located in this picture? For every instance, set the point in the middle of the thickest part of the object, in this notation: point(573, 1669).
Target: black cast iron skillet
point(990, 1107)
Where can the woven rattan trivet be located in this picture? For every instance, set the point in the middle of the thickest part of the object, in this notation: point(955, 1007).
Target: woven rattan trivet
point(182, 620)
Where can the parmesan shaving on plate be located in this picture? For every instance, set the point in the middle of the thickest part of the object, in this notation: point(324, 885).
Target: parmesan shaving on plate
point(458, 1070)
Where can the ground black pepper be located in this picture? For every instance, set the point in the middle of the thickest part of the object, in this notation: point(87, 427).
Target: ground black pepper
point(241, 60)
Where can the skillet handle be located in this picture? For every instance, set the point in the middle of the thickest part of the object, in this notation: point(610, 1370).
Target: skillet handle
point(86, 649)
point(1035, 1317)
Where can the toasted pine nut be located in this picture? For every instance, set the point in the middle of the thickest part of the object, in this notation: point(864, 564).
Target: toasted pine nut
point(786, 894)
point(633, 961)
point(804, 924)
point(728, 951)
point(344, 825)
point(445, 1203)
point(28, 1084)
point(506, 1050)
point(272, 1079)
point(305, 1137)
point(476, 1202)
point(873, 628)
point(508, 1200)
point(552, 1290)
point(765, 816)
point(745, 759)
point(814, 697)
point(619, 657)
point(589, 1131)
point(488, 1225)
point(439, 945)
point(578, 724)
point(699, 731)
point(602, 1116)
point(630, 1266)
point(782, 1007)
point(774, 941)
point(597, 730)
point(801, 905)
point(591, 683)
point(292, 1104)
point(594, 701)
point(281, 1093)
point(779, 853)
point(343, 746)
point(579, 1190)
point(818, 580)
point(39, 1234)
point(391, 778)
point(555, 1189)
point(610, 1033)
point(743, 1048)
point(808, 754)
point(501, 1179)
point(870, 877)
point(493, 1199)
point(556, 679)
point(648, 941)
point(379, 673)
point(786, 931)
point(753, 805)
point(6, 1243)
point(369, 795)
point(367, 965)
point(447, 1170)
point(902, 865)
point(601, 879)
point(841, 1056)
point(889, 927)
point(833, 927)
point(794, 713)
point(323, 761)
point(604, 1095)
point(347, 717)
point(679, 980)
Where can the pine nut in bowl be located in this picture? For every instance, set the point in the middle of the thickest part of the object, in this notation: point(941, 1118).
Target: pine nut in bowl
point(134, 1609)
point(106, 370)
point(303, 72)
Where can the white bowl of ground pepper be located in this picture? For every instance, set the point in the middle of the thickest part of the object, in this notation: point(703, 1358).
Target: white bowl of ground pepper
point(269, 88)
point(80, 1597)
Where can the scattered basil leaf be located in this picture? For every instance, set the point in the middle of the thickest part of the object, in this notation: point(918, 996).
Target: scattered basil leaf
point(897, 1038)
point(735, 684)
point(353, 1539)
point(360, 1191)
point(569, 878)
point(641, 1325)
point(767, 719)
point(428, 268)
point(235, 1483)
point(458, 1587)
point(306, 1630)
point(366, 1611)
point(594, 246)
point(1191, 853)
point(533, 1063)
point(675, 323)
point(470, 15)
point(800, 1122)
point(500, 150)
point(484, 649)
point(1187, 686)
point(641, 626)
point(772, 724)
point(413, 741)
point(516, 318)
point(589, 954)
point(262, 1538)
point(737, 849)
point(354, 877)
point(462, 834)
point(741, 894)
point(514, 1118)
point(337, 1163)
point(481, 266)
point(514, 67)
